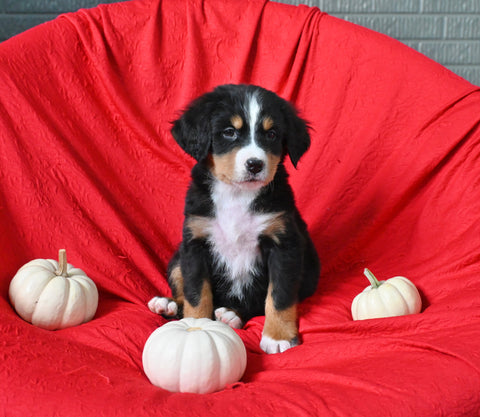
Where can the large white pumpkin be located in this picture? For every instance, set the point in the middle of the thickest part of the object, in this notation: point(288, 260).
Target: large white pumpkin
point(194, 355)
point(396, 296)
point(53, 295)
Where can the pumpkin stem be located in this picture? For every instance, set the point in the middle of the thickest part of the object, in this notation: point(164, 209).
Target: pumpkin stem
point(62, 263)
point(373, 280)
point(193, 329)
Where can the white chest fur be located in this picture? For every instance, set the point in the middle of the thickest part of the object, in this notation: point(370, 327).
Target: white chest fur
point(234, 233)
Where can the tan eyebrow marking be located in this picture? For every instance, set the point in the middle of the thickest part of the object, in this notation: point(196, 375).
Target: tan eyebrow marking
point(237, 121)
point(267, 123)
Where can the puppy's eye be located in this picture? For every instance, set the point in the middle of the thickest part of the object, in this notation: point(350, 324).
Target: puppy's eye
point(271, 134)
point(229, 133)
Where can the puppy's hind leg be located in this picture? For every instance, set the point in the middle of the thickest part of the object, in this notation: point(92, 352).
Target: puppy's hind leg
point(166, 306)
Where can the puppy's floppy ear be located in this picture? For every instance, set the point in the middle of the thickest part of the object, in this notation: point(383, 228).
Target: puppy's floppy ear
point(193, 130)
point(297, 139)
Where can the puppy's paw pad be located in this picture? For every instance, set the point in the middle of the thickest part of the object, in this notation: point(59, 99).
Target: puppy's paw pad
point(269, 345)
point(164, 306)
point(228, 317)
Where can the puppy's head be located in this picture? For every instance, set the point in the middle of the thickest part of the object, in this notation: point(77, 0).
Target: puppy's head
point(244, 132)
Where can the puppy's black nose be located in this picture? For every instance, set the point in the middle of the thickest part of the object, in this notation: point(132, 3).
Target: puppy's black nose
point(254, 165)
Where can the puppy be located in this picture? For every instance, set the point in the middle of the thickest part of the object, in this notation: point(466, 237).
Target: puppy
point(245, 250)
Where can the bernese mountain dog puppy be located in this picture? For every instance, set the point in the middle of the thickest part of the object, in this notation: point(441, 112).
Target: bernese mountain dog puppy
point(245, 249)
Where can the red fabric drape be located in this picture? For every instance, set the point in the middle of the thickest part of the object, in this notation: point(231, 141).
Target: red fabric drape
point(391, 182)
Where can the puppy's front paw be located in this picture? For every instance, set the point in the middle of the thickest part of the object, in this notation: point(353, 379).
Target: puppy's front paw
point(164, 306)
point(228, 317)
point(270, 345)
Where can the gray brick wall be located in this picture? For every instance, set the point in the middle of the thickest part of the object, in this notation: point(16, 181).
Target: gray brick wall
point(447, 31)
point(19, 15)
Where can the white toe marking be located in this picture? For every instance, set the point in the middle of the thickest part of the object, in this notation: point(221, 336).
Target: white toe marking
point(163, 305)
point(172, 308)
point(269, 345)
point(228, 317)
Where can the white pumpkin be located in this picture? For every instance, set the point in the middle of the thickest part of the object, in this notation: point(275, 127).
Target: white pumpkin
point(194, 355)
point(53, 295)
point(396, 296)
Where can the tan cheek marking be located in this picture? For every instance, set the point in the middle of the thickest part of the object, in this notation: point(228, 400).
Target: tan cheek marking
point(276, 227)
point(198, 226)
point(205, 305)
point(223, 166)
point(237, 122)
point(279, 325)
point(273, 161)
point(267, 123)
point(176, 284)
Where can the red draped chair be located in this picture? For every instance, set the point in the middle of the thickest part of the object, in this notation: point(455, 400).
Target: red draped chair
point(391, 182)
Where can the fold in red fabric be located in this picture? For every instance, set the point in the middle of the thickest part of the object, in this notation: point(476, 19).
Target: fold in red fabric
point(391, 182)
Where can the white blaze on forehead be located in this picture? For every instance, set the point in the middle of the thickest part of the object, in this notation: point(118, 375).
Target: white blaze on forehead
point(253, 110)
point(251, 150)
